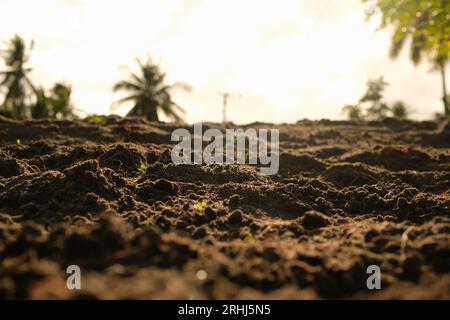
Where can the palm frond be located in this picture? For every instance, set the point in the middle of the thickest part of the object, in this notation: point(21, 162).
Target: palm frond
point(127, 85)
point(120, 101)
point(181, 86)
point(398, 40)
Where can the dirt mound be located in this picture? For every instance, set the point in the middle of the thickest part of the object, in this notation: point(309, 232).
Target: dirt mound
point(395, 158)
point(440, 138)
point(106, 197)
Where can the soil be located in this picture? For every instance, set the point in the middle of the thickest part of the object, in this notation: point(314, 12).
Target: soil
point(106, 197)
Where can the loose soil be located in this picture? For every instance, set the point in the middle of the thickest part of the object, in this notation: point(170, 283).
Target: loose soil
point(108, 199)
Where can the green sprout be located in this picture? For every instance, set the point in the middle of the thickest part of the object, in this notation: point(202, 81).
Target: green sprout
point(200, 205)
point(249, 237)
point(18, 142)
point(143, 167)
point(97, 119)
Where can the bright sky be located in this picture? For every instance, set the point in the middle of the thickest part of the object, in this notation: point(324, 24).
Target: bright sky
point(284, 59)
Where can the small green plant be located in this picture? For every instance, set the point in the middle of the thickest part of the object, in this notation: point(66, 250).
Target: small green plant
point(97, 119)
point(18, 142)
point(249, 237)
point(200, 205)
point(143, 167)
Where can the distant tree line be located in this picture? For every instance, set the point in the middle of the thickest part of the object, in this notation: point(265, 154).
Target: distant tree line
point(425, 24)
point(24, 100)
point(372, 106)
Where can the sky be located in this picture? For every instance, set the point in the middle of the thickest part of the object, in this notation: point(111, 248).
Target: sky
point(282, 60)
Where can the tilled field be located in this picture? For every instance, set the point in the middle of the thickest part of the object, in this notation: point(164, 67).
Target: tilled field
point(106, 197)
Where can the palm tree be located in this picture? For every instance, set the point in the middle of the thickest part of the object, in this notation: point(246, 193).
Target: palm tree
point(61, 103)
point(56, 104)
point(15, 78)
point(149, 93)
point(426, 24)
point(40, 108)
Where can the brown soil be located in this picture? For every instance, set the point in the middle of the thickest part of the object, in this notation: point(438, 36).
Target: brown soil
point(107, 198)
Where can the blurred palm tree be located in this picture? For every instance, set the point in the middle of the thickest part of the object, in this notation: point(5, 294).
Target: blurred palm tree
point(426, 23)
point(55, 105)
point(15, 78)
point(40, 109)
point(149, 93)
point(60, 101)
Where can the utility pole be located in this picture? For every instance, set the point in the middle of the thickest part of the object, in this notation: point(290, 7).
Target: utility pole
point(225, 97)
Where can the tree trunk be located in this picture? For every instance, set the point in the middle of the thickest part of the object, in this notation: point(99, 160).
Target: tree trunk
point(444, 91)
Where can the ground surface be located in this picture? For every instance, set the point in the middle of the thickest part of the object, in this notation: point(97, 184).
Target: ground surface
point(107, 198)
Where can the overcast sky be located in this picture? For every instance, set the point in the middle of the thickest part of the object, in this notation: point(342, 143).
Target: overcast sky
point(285, 60)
